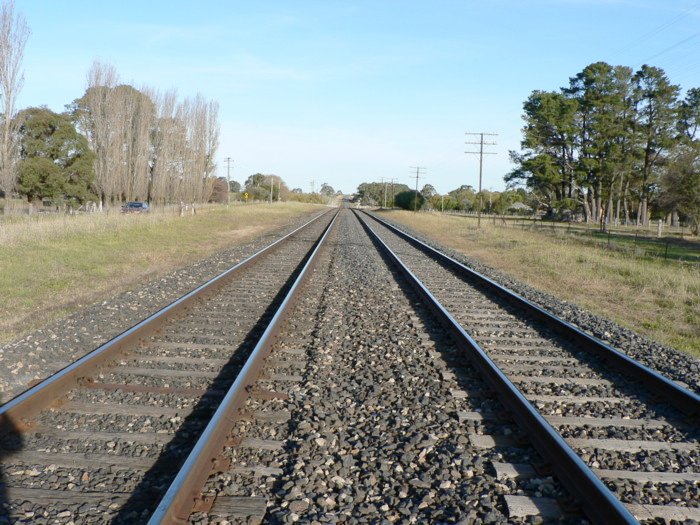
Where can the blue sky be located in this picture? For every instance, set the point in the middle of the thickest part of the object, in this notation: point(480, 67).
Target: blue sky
point(350, 91)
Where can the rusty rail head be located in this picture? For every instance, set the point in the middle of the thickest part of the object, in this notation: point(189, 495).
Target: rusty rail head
point(177, 503)
point(41, 395)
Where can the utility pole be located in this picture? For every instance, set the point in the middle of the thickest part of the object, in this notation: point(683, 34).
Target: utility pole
point(419, 171)
point(313, 185)
point(481, 154)
point(442, 204)
point(228, 161)
point(386, 180)
point(272, 187)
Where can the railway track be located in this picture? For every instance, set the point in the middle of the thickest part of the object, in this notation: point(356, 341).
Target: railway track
point(101, 440)
point(348, 398)
point(363, 426)
point(629, 427)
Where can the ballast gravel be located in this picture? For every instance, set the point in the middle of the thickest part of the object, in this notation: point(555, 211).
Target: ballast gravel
point(49, 349)
point(375, 435)
point(666, 360)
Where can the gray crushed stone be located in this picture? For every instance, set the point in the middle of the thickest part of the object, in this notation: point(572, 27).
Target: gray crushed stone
point(668, 361)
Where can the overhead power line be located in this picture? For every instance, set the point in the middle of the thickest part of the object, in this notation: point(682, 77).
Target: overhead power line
point(674, 46)
point(658, 29)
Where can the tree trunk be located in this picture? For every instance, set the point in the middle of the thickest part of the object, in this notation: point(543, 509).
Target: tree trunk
point(617, 204)
point(586, 207)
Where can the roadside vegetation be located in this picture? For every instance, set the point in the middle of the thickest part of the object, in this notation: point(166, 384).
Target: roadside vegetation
point(53, 264)
point(656, 297)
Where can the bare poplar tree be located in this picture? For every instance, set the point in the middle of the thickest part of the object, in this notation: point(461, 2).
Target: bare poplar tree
point(211, 146)
point(136, 112)
point(203, 141)
point(13, 37)
point(169, 144)
point(94, 121)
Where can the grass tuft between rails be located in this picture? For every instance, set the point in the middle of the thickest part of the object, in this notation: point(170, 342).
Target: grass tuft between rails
point(50, 266)
point(658, 298)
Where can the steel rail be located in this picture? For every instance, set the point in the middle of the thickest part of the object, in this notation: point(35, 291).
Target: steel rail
point(176, 505)
point(682, 398)
point(598, 502)
point(41, 395)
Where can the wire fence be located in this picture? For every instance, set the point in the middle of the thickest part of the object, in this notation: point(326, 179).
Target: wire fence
point(655, 240)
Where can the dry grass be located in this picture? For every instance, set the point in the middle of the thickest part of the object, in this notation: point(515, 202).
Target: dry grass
point(657, 298)
point(51, 265)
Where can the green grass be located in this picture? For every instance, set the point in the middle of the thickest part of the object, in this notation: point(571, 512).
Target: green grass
point(51, 265)
point(657, 297)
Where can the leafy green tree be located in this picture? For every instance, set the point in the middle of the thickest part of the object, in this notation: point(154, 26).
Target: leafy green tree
point(464, 198)
point(299, 196)
point(603, 123)
point(234, 186)
point(689, 114)
point(503, 201)
point(428, 191)
point(56, 161)
point(548, 162)
point(680, 185)
point(327, 190)
point(656, 122)
point(372, 193)
point(408, 200)
point(603, 141)
point(258, 179)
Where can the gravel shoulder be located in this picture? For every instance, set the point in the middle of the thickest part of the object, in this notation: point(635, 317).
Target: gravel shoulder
point(50, 348)
point(672, 363)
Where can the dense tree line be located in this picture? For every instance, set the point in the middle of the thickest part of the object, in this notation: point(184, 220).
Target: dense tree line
point(148, 146)
point(614, 145)
point(464, 198)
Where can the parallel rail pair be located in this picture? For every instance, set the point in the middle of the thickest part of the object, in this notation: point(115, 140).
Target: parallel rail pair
point(179, 500)
point(598, 502)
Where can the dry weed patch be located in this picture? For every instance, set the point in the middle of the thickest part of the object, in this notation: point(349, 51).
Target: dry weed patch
point(49, 266)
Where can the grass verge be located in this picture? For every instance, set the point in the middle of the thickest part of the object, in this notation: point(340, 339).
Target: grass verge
point(658, 298)
point(50, 266)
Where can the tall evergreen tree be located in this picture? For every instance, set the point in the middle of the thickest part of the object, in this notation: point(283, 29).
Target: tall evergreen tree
point(56, 161)
point(656, 123)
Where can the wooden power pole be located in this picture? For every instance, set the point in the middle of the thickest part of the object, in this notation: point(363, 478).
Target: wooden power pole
point(419, 171)
point(481, 154)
